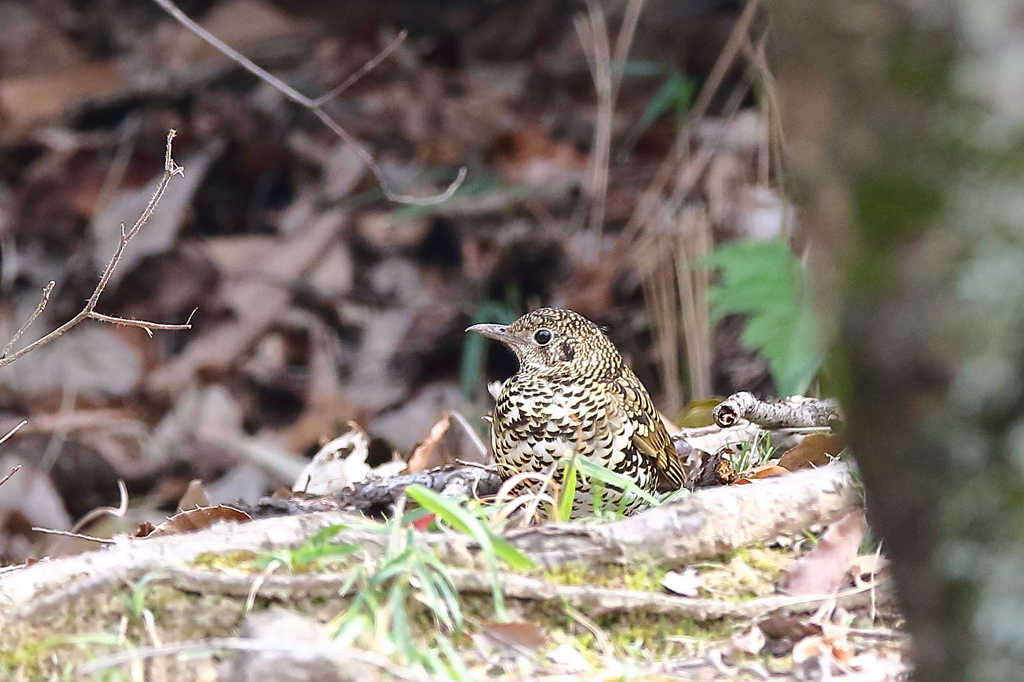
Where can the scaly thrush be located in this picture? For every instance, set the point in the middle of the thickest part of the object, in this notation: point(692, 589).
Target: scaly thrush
point(574, 393)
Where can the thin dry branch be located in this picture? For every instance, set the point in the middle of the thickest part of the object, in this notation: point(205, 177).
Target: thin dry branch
point(776, 414)
point(13, 471)
point(592, 598)
point(88, 312)
point(8, 435)
point(47, 290)
point(316, 105)
point(378, 492)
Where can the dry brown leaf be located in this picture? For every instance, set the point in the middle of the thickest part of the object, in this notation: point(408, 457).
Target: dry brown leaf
point(31, 495)
point(322, 416)
point(823, 569)
point(768, 471)
point(427, 455)
point(333, 277)
point(197, 519)
point(342, 172)
point(833, 642)
point(239, 256)
point(33, 43)
point(530, 157)
point(792, 627)
point(813, 450)
point(404, 427)
point(523, 634)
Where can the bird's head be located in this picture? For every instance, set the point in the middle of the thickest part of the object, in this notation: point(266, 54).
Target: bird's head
point(552, 340)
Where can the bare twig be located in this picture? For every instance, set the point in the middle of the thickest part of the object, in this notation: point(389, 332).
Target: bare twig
point(8, 435)
point(15, 470)
point(144, 324)
point(78, 536)
point(117, 512)
point(478, 444)
point(366, 68)
point(88, 312)
point(47, 290)
point(315, 105)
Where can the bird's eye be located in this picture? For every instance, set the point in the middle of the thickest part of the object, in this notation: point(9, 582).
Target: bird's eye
point(542, 337)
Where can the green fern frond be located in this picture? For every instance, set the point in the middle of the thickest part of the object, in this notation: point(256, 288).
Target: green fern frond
point(765, 281)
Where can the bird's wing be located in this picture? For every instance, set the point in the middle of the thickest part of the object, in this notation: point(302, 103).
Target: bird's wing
point(649, 434)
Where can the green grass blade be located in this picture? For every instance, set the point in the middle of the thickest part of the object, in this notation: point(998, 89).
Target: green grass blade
point(609, 477)
point(568, 495)
point(455, 662)
point(432, 597)
point(452, 513)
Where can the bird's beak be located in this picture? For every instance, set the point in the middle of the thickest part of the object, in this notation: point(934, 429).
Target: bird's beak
point(498, 332)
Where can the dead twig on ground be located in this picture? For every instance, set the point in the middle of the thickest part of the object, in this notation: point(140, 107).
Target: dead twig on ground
point(774, 414)
point(89, 311)
point(315, 105)
point(595, 599)
point(117, 512)
point(375, 493)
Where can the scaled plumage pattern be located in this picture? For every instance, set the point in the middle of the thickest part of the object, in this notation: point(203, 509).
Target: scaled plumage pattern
point(573, 392)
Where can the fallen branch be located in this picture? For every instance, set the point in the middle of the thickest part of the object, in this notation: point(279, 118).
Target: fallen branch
point(89, 311)
point(377, 493)
point(703, 525)
point(292, 588)
point(776, 414)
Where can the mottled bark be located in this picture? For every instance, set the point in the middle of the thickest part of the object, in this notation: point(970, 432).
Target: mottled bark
point(904, 123)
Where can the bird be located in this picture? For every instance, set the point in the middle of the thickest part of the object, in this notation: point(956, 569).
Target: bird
point(573, 393)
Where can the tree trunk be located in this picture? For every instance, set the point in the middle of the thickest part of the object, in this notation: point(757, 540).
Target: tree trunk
point(904, 123)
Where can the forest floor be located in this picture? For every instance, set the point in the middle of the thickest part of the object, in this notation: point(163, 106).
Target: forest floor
point(295, 291)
